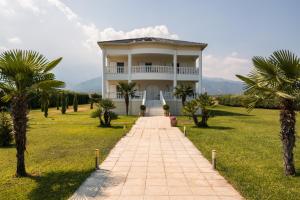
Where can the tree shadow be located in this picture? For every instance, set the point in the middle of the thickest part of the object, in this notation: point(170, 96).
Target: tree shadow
point(57, 185)
point(8, 146)
point(215, 113)
point(74, 184)
point(220, 127)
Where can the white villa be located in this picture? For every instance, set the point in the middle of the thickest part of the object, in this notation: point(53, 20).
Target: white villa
point(156, 65)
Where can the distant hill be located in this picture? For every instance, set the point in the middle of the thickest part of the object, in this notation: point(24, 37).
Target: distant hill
point(210, 85)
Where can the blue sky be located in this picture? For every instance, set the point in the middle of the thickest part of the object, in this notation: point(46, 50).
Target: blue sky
point(235, 30)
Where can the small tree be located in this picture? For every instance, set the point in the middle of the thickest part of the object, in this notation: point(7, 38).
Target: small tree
point(104, 108)
point(63, 103)
point(57, 100)
point(204, 101)
point(67, 101)
point(94, 98)
point(6, 129)
point(127, 90)
point(190, 108)
point(183, 91)
point(44, 99)
point(75, 103)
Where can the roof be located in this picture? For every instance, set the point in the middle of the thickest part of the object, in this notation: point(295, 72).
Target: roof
point(152, 40)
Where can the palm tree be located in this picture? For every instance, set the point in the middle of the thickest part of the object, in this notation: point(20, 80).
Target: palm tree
point(21, 73)
point(191, 108)
point(127, 90)
point(204, 101)
point(277, 76)
point(104, 107)
point(183, 91)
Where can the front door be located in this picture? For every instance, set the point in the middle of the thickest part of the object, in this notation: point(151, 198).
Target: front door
point(152, 92)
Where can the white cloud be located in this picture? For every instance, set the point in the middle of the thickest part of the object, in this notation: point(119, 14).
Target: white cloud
point(64, 9)
point(15, 40)
point(30, 5)
point(226, 67)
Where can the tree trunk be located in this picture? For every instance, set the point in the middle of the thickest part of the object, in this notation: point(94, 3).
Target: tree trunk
point(195, 119)
point(107, 119)
point(287, 122)
point(19, 116)
point(183, 100)
point(204, 118)
point(126, 96)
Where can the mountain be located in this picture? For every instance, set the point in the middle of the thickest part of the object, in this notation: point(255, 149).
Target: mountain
point(89, 86)
point(210, 85)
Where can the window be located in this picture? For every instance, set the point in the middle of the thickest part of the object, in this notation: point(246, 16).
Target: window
point(120, 67)
point(148, 66)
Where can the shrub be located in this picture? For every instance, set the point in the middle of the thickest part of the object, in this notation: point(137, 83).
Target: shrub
point(6, 129)
point(143, 107)
point(104, 107)
point(75, 103)
point(63, 103)
point(166, 107)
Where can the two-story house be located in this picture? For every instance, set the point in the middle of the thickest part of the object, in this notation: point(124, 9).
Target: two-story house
point(157, 66)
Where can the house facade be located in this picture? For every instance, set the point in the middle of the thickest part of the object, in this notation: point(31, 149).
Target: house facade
point(156, 65)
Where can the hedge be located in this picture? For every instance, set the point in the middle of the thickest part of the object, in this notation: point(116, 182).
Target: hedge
point(241, 101)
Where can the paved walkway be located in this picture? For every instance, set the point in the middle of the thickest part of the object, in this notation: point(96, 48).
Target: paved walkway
point(155, 162)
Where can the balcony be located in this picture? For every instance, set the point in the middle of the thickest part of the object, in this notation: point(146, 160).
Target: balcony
point(153, 72)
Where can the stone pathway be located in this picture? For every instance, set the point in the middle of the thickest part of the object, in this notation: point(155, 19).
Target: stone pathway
point(155, 162)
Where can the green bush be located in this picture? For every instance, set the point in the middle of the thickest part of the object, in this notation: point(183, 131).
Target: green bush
point(166, 107)
point(63, 103)
point(241, 101)
point(142, 107)
point(75, 103)
point(6, 129)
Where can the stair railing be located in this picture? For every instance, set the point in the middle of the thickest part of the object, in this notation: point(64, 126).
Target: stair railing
point(162, 99)
point(144, 98)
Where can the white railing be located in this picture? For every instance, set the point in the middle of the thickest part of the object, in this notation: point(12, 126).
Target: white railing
point(162, 99)
point(116, 69)
point(168, 95)
point(187, 70)
point(144, 98)
point(118, 95)
point(152, 69)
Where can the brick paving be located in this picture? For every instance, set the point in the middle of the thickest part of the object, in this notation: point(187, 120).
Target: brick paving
point(155, 161)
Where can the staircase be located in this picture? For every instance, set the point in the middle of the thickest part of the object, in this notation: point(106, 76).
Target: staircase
point(154, 108)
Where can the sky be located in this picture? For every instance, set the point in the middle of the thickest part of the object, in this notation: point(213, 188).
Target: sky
point(235, 30)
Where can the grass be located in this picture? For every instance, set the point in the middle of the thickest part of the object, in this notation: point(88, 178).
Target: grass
point(60, 154)
point(249, 152)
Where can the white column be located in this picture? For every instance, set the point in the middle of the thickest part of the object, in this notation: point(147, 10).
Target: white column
point(129, 67)
point(200, 72)
point(104, 87)
point(175, 71)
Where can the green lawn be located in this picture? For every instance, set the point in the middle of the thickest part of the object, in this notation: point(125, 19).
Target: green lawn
point(60, 154)
point(248, 151)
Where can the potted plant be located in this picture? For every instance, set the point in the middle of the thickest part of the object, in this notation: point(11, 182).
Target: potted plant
point(166, 108)
point(142, 110)
point(173, 121)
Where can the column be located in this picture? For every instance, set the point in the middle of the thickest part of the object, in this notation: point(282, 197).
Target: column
point(175, 71)
point(200, 72)
point(129, 67)
point(104, 87)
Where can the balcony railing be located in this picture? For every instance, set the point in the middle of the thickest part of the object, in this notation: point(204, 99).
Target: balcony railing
point(169, 95)
point(118, 95)
point(187, 70)
point(116, 69)
point(152, 69)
